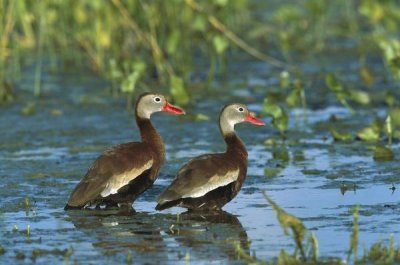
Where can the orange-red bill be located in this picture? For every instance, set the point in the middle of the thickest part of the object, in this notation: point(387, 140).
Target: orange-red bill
point(172, 109)
point(252, 119)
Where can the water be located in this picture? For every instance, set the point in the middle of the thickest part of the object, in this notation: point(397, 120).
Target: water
point(43, 156)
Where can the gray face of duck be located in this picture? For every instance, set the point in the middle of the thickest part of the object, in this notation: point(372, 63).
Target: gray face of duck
point(151, 103)
point(236, 113)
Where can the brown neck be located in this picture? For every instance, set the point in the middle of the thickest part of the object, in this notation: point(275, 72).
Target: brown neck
point(235, 146)
point(149, 135)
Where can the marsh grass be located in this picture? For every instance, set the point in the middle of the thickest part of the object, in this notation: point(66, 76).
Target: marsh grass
point(133, 43)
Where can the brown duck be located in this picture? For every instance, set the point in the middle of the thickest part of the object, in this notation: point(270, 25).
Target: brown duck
point(210, 181)
point(124, 171)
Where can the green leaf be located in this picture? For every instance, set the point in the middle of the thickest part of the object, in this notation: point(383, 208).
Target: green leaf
point(128, 84)
point(293, 98)
point(360, 96)
point(201, 117)
point(370, 133)
point(338, 89)
point(29, 109)
point(221, 3)
point(173, 41)
point(284, 79)
point(337, 136)
point(390, 99)
point(220, 44)
point(178, 91)
point(270, 141)
point(366, 76)
point(289, 221)
point(383, 153)
point(200, 23)
point(389, 128)
point(271, 172)
point(279, 117)
point(395, 116)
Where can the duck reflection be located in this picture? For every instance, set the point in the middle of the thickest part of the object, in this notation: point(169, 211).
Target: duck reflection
point(157, 238)
point(118, 231)
point(211, 235)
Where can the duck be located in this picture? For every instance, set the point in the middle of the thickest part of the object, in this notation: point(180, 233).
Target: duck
point(124, 171)
point(210, 181)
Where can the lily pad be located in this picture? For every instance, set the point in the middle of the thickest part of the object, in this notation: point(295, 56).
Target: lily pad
point(338, 136)
point(370, 133)
point(383, 153)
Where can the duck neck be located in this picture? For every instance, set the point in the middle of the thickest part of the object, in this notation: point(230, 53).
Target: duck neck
point(149, 135)
point(235, 146)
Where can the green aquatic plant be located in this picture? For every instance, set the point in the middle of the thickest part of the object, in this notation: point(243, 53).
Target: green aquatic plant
point(382, 153)
point(370, 133)
point(340, 136)
point(354, 235)
point(278, 113)
point(2, 250)
point(288, 221)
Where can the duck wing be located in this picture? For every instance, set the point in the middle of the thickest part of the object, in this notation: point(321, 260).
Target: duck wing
point(200, 176)
point(112, 170)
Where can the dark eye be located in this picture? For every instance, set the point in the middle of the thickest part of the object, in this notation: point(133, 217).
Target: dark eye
point(157, 99)
point(240, 109)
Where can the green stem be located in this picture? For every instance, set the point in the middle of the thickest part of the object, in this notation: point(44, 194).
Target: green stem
point(38, 69)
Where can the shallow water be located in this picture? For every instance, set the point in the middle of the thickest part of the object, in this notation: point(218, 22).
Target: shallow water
point(44, 155)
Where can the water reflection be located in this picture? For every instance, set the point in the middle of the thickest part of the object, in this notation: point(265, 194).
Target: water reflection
point(218, 231)
point(119, 230)
point(162, 237)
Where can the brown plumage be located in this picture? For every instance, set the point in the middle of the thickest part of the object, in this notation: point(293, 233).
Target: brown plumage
point(209, 181)
point(124, 171)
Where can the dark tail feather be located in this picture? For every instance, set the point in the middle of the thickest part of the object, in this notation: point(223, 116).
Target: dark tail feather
point(163, 206)
point(69, 207)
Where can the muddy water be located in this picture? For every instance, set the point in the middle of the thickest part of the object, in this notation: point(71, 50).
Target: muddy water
point(43, 156)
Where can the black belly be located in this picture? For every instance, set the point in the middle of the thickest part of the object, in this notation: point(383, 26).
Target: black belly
point(212, 200)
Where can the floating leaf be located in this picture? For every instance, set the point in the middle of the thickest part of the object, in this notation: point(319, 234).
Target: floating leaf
point(281, 154)
point(270, 141)
point(390, 99)
point(360, 97)
point(383, 153)
point(337, 136)
point(370, 133)
point(178, 91)
point(366, 76)
point(271, 172)
point(29, 109)
point(201, 117)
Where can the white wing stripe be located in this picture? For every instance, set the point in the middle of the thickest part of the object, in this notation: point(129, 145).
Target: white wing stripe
point(214, 183)
point(118, 181)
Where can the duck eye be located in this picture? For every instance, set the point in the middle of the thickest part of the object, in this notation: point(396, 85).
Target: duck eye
point(157, 99)
point(240, 109)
